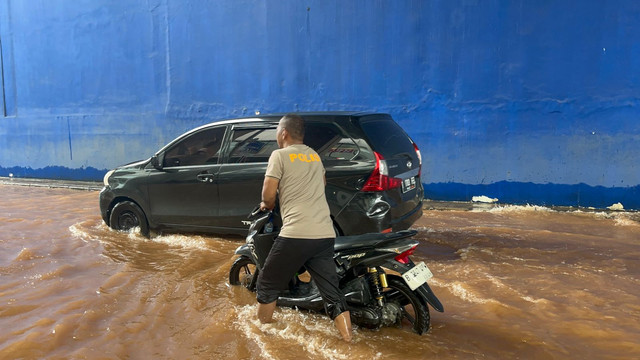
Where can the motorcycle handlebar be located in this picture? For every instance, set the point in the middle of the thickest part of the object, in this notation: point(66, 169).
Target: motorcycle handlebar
point(256, 211)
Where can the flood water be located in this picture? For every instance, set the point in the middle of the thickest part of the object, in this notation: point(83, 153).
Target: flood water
point(516, 283)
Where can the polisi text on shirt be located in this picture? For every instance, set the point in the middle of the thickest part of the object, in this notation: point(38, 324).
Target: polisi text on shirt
point(304, 157)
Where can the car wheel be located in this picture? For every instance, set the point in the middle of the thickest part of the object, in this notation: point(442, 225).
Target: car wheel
point(127, 215)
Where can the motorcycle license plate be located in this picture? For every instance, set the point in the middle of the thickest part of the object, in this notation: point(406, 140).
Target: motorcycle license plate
point(417, 276)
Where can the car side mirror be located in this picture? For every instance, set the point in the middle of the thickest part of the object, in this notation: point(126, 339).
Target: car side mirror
point(156, 161)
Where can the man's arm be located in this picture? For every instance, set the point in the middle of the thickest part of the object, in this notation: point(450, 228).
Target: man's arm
point(269, 191)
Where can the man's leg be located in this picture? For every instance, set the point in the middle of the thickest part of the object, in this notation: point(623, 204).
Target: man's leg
point(265, 312)
point(323, 272)
point(343, 323)
point(281, 263)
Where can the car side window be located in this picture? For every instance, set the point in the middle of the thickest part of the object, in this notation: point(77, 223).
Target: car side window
point(252, 145)
point(332, 144)
point(200, 148)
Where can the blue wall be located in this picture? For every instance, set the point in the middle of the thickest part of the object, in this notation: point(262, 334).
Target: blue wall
point(525, 101)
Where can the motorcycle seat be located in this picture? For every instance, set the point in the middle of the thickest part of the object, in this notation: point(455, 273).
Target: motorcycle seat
point(370, 239)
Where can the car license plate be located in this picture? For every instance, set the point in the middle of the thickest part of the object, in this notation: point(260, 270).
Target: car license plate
point(408, 184)
point(417, 276)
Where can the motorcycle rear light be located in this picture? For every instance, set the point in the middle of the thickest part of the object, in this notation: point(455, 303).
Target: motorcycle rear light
point(404, 256)
point(380, 179)
point(386, 231)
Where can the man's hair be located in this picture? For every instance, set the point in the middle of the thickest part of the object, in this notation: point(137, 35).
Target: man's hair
point(294, 125)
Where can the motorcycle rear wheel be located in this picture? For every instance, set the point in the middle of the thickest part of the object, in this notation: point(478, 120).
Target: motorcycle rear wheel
point(414, 310)
point(244, 272)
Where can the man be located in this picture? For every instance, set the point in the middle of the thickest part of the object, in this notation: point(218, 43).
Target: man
point(307, 236)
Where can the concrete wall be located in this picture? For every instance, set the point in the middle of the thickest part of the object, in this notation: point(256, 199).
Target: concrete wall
point(525, 101)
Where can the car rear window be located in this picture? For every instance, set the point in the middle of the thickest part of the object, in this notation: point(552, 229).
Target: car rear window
point(387, 137)
point(332, 144)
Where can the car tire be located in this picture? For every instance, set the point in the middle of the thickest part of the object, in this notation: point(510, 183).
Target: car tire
point(127, 215)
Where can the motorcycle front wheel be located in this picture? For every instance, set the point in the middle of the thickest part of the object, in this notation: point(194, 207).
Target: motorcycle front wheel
point(244, 272)
point(414, 311)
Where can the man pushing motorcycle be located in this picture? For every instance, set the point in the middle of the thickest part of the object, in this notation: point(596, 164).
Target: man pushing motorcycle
point(307, 236)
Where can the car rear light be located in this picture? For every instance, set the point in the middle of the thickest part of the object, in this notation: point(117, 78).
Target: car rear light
point(404, 256)
point(380, 179)
point(419, 158)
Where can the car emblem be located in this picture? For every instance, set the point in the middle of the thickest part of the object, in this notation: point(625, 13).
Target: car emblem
point(409, 164)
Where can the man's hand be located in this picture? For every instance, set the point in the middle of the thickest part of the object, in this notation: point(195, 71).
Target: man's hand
point(269, 191)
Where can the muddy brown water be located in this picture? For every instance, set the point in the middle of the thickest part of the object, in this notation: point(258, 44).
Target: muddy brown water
point(516, 282)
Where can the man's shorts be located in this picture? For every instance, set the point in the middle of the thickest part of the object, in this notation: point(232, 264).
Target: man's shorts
point(287, 256)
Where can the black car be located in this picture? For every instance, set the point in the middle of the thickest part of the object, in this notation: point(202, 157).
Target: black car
point(210, 178)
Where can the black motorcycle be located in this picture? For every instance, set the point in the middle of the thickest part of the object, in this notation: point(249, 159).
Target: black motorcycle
point(374, 298)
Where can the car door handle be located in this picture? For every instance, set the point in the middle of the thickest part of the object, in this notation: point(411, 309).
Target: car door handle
point(205, 177)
